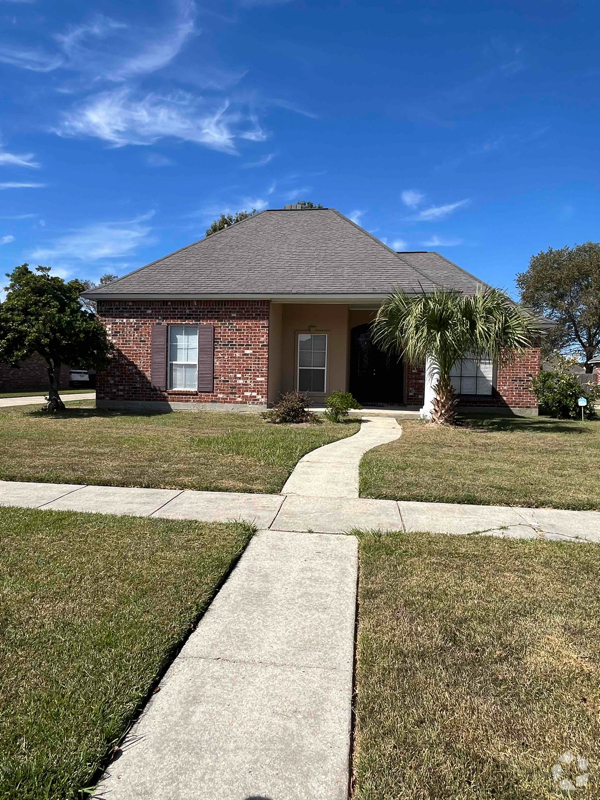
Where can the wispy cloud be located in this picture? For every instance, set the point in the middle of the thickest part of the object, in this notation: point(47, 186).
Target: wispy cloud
point(13, 185)
point(28, 58)
point(412, 198)
point(262, 3)
point(399, 244)
point(158, 160)
point(438, 212)
point(356, 215)
point(441, 241)
point(272, 187)
point(99, 240)
point(257, 203)
point(120, 118)
point(296, 194)
point(261, 162)
point(19, 216)
point(7, 239)
point(18, 159)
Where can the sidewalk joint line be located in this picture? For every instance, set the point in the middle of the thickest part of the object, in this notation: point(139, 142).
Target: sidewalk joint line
point(166, 503)
point(60, 497)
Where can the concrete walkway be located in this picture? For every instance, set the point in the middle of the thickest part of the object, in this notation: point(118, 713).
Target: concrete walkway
point(258, 703)
point(311, 514)
point(38, 400)
point(332, 470)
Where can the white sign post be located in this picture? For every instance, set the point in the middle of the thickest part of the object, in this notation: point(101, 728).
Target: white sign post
point(582, 401)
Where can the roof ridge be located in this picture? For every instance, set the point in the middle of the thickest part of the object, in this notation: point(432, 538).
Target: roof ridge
point(389, 249)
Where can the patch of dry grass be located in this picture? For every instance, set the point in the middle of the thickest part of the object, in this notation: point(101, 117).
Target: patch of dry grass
point(478, 666)
point(91, 609)
point(534, 462)
point(215, 451)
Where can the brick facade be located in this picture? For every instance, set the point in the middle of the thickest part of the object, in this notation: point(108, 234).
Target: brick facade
point(241, 349)
point(29, 376)
point(512, 385)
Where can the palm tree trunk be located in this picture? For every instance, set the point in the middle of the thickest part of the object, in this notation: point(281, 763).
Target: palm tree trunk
point(444, 404)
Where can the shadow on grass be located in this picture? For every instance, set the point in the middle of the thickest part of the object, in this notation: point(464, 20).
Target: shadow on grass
point(100, 413)
point(496, 424)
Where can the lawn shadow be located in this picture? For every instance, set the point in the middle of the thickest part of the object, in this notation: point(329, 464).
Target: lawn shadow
point(89, 413)
point(495, 424)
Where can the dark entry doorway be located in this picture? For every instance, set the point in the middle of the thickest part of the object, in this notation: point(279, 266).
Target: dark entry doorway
point(375, 377)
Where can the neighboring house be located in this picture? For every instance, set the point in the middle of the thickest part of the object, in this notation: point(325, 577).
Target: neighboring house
point(281, 301)
point(596, 363)
point(29, 375)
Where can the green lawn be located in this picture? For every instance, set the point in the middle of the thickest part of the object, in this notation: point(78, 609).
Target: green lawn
point(92, 608)
point(44, 392)
point(478, 666)
point(491, 461)
point(205, 450)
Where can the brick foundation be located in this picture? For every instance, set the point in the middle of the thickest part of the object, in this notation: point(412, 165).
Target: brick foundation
point(29, 376)
point(241, 349)
point(512, 390)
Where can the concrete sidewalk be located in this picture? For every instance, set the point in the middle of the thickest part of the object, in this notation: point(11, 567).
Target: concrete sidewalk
point(318, 514)
point(258, 703)
point(332, 470)
point(39, 400)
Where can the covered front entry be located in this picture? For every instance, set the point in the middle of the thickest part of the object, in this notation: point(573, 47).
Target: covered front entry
point(375, 377)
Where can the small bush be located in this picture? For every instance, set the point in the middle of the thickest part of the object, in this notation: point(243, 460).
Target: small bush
point(558, 391)
point(338, 405)
point(292, 407)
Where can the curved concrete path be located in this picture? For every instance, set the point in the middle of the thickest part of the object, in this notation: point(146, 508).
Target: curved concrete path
point(332, 470)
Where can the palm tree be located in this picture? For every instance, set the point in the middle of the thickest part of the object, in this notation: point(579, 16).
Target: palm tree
point(444, 327)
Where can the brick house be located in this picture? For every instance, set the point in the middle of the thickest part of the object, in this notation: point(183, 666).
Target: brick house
point(30, 375)
point(282, 301)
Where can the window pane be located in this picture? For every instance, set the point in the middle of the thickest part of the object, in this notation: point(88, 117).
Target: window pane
point(177, 376)
point(319, 342)
point(304, 359)
point(484, 385)
point(304, 380)
point(468, 385)
point(191, 376)
point(318, 359)
point(318, 380)
point(469, 367)
point(305, 341)
point(455, 371)
point(456, 383)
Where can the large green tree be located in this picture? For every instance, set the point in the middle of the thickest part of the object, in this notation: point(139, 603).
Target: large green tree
point(227, 220)
point(444, 327)
point(564, 285)
point(43, 314)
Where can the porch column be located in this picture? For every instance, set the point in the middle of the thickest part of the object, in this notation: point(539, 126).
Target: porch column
point(432, 374)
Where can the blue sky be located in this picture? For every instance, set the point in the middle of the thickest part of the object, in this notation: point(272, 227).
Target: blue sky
point(470, 128)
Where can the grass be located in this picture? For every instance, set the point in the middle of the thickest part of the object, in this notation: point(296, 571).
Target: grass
point(43, 392)
point(92, 608)
point(216, 451)
point(532, 461)
point(478, 666)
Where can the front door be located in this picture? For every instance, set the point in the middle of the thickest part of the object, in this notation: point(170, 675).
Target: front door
point(375, 377)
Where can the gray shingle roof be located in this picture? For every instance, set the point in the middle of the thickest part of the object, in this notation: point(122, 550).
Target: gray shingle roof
point(289, 252)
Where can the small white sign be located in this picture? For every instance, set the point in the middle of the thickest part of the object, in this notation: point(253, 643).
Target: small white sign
point(582, 401)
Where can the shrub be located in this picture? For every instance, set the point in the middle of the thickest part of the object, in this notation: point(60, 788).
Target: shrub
point(558, 391)
point(292, 407)
point(338, 405)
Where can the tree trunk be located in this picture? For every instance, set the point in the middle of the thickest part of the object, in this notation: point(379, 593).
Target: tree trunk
point(54, 403)
point(444, 404)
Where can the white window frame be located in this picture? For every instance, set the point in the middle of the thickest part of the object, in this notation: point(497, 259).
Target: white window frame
point(298, 367)
point(461, 377)
point(171, 388)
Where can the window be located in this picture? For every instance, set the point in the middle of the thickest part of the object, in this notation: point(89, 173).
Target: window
point(183, 357)
point(312, 362)
point(471, 376)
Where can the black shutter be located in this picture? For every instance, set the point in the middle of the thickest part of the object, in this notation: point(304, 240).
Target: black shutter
point(158, 368)
point(206, 358)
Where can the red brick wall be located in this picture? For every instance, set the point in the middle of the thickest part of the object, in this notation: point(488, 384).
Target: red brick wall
point(597, 374)
point(241, 348)
point(30, 375)
point(512, 385)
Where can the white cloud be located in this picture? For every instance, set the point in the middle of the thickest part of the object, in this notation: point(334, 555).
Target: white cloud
point(272, 187)
point(355, 216)
point(99, 240)
point(18, 160)
point(399, 244)
point(255, 202)
point(441, 241)
point(261, 162)
point(262, 3)
point(120, 119)
point(438, 212)
point(19, 216)
point(295, 194)
point(158, 160)
point(7, 239)
point(34, 60)
point(412, 198)
point(13, 185)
